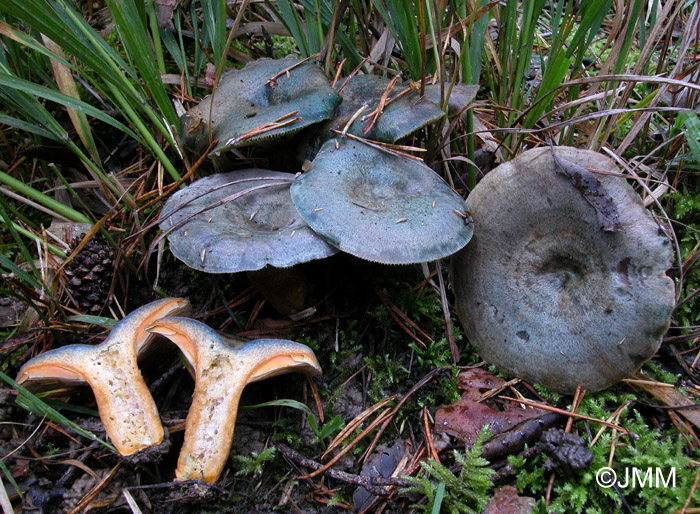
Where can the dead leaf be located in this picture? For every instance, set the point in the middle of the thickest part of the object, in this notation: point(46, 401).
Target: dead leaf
point(507, 501)
point(164, 11)
point(386, 461)
point(593, 191)
point(465, 418)
point(669, 397)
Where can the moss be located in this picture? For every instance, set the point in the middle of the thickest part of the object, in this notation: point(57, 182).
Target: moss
point(647, 447)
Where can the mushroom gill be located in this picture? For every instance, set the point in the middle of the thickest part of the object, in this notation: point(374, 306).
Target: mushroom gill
point(222, 368)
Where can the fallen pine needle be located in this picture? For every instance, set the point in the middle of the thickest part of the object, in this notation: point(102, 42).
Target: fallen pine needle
point(386, 414)
point(132, 503)
point(685, 510)
point(565, 413)
point(356, 422)
point(272, 81)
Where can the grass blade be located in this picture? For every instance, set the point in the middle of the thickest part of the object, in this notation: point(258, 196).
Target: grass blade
point(30, 402)
point(691, 127)
point(134, 35)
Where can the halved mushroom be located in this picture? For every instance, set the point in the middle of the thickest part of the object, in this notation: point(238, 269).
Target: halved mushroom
point(126, 407)
point(223, 367)
point(253, 224)
point(564, 282)
point(380, 207)
point(251, 106)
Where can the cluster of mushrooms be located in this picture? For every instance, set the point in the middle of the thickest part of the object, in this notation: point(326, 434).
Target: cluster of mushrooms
point(563, 282)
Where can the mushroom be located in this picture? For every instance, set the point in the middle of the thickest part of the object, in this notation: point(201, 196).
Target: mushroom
point(265, 100)
point(564, 282)
point(379, 206)
point(400, 118)
point(223, 367)
point(253, 223)
point(125, 405)
point(404, 111)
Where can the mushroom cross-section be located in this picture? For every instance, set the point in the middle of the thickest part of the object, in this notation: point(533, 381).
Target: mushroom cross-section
point(125, 405)
point(222, 369)
point(380, 207)
point(248, 108)
point(253, 224)
point(546, 291)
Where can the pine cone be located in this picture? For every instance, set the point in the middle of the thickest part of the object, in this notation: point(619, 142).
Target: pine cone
point(90, 274)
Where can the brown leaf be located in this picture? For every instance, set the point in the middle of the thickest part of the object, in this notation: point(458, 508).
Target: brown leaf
point(507, 501)
point(593, 191)
point(164, 10)
point(465, 418)
point(669, 397)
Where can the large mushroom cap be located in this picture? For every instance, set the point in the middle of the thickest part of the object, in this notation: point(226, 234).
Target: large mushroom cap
point(548, 295)
point(380, 207)
point(246, 99)
point(244, 233)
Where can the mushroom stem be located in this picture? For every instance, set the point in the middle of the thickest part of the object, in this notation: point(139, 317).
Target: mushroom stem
point(126, 407)
point(221, 373)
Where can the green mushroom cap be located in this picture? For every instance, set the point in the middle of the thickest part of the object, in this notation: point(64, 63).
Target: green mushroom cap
point(247, 99)
point(547, 292)
point(247, 231)
point(380, 207)
point(399, 119)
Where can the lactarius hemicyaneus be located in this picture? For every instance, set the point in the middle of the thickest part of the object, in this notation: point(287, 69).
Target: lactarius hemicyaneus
point(239, 221)
point(379, 206)
point(564, 282)
point(268, 100)
point(126, 407)
point(222, 368)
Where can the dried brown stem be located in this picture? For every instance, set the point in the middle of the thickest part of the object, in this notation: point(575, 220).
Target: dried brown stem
point(272, 81)
point(566, 413)
point(375, 485)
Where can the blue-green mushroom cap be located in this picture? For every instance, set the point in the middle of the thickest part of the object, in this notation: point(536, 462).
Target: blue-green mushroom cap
point(255, 225)
point(247, 99)
point(398, 120)
point(379, 206)
point(547, 294)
